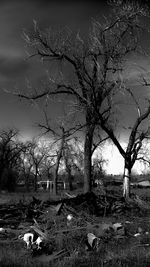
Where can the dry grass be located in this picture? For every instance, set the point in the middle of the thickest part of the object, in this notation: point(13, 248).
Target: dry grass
point(117, 253)
point(128, 251)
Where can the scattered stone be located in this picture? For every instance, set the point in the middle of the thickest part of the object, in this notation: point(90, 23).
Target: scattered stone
point(28, 239)
point(93, 241)
point(79, 212)
point(69, 219)
point(137, 234)
point(2, 230)
point(119, 229)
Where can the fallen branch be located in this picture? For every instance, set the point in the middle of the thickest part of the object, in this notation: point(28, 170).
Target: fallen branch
point(70, 196)
point(76, 228)
point(37, 230)
point(141, 203)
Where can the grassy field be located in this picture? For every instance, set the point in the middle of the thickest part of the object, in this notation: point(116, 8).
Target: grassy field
point(22, 196)
point(117, 252)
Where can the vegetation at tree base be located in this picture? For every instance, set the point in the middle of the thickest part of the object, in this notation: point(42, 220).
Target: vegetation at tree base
point(9, 180)
point(10, 153)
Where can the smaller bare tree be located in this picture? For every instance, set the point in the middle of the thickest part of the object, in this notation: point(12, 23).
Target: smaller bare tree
point(10, 155)
point(26, 165)
point(35, 156)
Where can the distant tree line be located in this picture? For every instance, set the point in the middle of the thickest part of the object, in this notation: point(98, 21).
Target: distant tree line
point(28, 162)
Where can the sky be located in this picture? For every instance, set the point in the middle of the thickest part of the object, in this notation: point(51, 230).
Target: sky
point(17, 72)
point(115, 163)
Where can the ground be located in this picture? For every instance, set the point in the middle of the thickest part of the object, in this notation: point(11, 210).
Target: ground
point(121, 249)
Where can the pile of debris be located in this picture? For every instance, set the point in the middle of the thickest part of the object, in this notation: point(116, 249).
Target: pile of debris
point(89, 203)
point(38, 224)
point(98, 205)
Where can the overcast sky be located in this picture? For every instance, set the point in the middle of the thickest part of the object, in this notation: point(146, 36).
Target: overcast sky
point(16, 70)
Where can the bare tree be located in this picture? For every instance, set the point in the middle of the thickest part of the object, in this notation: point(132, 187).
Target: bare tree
point(71, 159)
point(35, 155)
point(26, 165)
point(10, 154)
point(60, 136)
point(136, 137)
point(59, 156)
point(48, 163)
point(94, 64)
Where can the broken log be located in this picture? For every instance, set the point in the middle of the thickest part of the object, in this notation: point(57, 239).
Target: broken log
point(39, 232)
point(141, 203)
point(70, 196)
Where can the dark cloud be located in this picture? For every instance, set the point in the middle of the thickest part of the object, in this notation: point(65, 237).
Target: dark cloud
point(19, 14)
point(16, 15)
point(13, 67)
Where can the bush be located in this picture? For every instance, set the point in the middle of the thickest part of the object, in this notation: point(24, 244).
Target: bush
point(8, 180)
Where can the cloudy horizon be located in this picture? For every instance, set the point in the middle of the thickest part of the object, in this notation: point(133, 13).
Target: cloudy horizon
point(18, 73)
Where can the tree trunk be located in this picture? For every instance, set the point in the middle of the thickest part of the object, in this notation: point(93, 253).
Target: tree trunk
point(69, 178)
point(68, 170)
point(126, 182)
point(87, 158)
point(57, 165)
point(35, 180)
point(1, 175)
point(47, 185)
point(56, 171)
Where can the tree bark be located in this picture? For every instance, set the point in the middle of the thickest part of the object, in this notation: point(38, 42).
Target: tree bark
point(35, 182)
point(47, 185)
point(35, 179)
point(126, 183)
point(68, 170)
point(69, 178)
point(55, 191)
point(87, 158)
point(1, 174)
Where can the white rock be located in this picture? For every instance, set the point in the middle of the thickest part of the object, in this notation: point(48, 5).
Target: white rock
point(39, 241)
point(27, 238)
point(69, 217)
point(137, 234)
point(91, 237)
point(116, 226)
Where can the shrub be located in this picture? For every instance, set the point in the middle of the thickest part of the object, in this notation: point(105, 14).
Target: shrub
point(8, 180)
